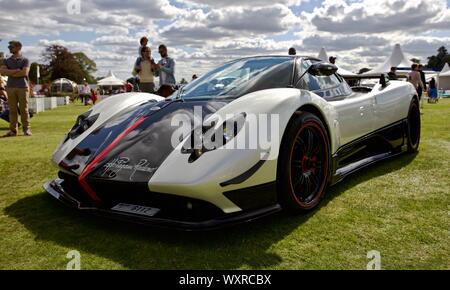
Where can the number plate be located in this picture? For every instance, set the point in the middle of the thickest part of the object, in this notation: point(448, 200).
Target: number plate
point(136, 209)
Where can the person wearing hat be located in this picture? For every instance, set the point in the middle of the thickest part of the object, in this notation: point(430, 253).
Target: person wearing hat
point(332, 59)
point(17, 69)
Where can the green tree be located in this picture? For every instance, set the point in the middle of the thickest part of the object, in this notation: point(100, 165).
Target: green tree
point(33, 73)
point(438, 61)
point(45, 76)
point(87, 65)
point(64, 64)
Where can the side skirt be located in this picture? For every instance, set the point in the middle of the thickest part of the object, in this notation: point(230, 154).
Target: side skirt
point(379, 145)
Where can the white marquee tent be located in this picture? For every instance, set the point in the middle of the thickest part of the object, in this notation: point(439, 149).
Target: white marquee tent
point(323, 55)
point(435, 75)
point(110, 81)
point(444, 78)
point(396, 59)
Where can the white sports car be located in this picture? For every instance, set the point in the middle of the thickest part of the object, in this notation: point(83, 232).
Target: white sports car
point(247, 139)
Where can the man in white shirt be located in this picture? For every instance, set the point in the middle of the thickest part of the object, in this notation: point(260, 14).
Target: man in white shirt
point(85, 92)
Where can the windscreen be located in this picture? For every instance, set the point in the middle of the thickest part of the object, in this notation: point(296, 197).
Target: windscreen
point(241, 77)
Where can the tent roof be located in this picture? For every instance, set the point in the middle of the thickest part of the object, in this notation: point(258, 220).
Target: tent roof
point(446, 68)
point(397, 59)
point(64, 81)
point(323, 55)
point(110, 80)
point(445, 74)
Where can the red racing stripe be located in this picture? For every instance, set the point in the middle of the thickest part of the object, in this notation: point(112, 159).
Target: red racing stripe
point(101, 156)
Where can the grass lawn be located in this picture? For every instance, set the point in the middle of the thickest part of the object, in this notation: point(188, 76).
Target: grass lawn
point(400, 207)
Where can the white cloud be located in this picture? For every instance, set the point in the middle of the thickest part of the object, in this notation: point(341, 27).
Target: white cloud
point(204, 33)
point(240, 3)
point(368, 16)
point(271, 19)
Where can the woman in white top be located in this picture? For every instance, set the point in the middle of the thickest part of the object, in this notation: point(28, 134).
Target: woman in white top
point(145, 68)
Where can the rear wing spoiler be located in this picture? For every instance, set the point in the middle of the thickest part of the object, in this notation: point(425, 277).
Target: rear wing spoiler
point(383, 79)
point(371, 77)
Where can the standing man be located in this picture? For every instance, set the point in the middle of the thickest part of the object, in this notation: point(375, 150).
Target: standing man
point(415, 78)
point(424, 81)
point(166, 69)
point(422, 77)
point(85, 93)
point(17, 68)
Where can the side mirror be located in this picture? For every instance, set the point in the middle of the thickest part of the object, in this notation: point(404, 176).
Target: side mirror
point(384, 80)
point(322, 69)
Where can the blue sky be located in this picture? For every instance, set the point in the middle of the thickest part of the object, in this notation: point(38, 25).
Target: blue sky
point(204, 33)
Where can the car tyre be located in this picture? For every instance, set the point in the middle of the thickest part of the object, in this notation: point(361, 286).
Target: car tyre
point(413, 127)
point(304, 163)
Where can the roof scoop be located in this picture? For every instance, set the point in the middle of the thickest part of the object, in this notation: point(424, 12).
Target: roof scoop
point(322, 69)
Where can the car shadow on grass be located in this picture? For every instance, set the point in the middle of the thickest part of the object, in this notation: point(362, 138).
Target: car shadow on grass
point(139, 247)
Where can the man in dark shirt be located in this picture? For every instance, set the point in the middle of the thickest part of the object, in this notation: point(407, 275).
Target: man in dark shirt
point(17, 68)
point(422, 77)
point(393, 74)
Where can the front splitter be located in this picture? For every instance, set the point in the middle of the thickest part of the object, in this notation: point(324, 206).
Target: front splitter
point(55, 189)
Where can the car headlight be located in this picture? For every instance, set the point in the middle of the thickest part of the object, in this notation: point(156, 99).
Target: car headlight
point(83, 123)
point(210, 138)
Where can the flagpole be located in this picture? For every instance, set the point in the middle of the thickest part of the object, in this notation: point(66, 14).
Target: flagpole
point(38, 73)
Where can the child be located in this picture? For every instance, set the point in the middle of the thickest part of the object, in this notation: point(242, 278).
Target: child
point(144, 43)
point(93, 96)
